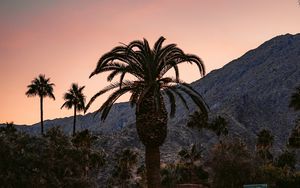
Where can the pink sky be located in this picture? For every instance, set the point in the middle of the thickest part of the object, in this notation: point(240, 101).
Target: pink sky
point(63, 39)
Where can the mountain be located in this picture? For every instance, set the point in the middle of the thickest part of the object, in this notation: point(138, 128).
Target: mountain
point(251, 92)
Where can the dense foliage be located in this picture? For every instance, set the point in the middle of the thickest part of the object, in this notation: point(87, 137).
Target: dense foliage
point(48, 161)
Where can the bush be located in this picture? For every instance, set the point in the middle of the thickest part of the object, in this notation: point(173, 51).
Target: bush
point(49, 161)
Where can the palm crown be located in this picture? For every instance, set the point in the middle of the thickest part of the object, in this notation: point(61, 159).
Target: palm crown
point(148, 67)
point(74, 97)
point(40, 86)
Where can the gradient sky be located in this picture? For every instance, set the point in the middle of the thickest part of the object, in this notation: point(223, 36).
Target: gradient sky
point(63, 39)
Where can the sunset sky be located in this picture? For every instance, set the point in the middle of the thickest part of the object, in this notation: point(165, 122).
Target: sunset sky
point(63, 39)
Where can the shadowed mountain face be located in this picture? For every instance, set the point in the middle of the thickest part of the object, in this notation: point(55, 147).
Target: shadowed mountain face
point(251, 92)
point(254, 90)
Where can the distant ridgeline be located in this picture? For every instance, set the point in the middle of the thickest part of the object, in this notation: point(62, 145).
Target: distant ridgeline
point(251, 92)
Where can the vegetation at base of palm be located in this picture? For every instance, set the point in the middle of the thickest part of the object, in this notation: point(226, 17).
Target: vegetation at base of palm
point(286, 160)
point(124, 173)
point(188, 169)
point(74, 99)
point(83, 139)
point(200, 121)
point(49, 161)
point(148, 67)
point(277, 177)
point(41, 87)
point(264, 143)
point(232, 164)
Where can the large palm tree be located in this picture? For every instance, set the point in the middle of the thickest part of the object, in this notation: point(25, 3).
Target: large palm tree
point(295, 100)
point(74, 98)
point(42, 87)
point(148, 67)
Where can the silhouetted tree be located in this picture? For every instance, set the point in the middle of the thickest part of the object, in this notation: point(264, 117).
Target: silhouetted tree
point(263, 144)
point(219, 126)
point(123, 171)
point(148, 67)
point(295, 100)
point(232, 164)
point(294, 139)
point(76, 99)
point(189, 168)
point(200, 121)
point(48, 161)
point(42, 87)
point(83, 139)
point(287, 159)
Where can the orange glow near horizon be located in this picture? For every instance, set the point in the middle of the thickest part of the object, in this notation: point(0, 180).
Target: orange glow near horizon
point(64, 40)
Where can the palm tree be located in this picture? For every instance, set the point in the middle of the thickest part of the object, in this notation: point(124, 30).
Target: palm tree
point(264, 141)
point(147, 88)
point(201, 121)
point(74, 98)
point(42, 87)
point(219, 126)
point(126, 161)
point(198, 120)
point(295, 100)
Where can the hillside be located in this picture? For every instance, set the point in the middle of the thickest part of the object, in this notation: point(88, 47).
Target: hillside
point(251, 92)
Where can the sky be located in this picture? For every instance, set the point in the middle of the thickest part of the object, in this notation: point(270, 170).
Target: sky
point(64, 39)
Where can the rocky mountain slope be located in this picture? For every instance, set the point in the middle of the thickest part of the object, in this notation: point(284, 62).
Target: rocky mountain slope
point(251, 92)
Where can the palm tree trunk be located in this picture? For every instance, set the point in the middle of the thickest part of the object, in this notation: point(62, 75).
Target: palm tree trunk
point(151, 124)
point(74, 123)
point(42, 121)
point(152, 159)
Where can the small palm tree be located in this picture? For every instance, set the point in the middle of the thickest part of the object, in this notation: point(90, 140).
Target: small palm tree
point(74, 98)
point(124, 169)
point(295, 100)
point(149, 85)
point(42, 87)
point(201, 121)
point(219, 126)
point(191, 155)
point(264, 139)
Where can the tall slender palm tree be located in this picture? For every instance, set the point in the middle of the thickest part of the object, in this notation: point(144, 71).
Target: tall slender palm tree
point(147, 88)
point(295, 100)
point(42, 87)
point(74, 98)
